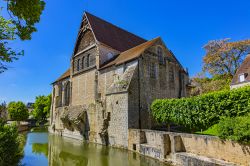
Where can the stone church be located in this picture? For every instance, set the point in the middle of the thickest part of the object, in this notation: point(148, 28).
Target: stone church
point(113, 78)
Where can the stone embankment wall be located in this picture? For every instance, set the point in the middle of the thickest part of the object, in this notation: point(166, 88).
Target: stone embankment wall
point(186, 149)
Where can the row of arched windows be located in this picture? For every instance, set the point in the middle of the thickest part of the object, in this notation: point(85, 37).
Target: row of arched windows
point(83, 63)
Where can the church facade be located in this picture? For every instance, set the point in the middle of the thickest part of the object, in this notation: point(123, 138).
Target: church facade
point(113, 78)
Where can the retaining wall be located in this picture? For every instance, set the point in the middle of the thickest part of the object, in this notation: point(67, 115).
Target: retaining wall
point(182, 148)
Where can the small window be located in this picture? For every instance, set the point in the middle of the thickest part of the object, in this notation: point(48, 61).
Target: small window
point(152, 70)
point(92, 60)
point(160, 55)
point(109, 55)
point(78, 64)
point(87, 61)
point(171, 77)
point(83, 59)
point(242, 77)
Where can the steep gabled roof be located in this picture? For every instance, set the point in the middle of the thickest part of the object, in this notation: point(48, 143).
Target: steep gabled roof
point(111, 35)
point(132, 53)
point(63, 76)
point(243, 69)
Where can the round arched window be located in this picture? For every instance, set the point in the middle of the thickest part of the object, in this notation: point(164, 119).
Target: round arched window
point(109, 55)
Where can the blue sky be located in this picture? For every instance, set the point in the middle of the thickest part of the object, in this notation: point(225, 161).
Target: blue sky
point(185, 26)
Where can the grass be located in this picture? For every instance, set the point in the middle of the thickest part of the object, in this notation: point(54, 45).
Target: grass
point(213, 130)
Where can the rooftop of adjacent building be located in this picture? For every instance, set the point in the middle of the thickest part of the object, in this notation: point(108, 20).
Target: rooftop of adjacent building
point(242, 75)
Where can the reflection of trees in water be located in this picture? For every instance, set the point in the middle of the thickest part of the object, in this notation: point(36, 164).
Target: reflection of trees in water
point(69, 152)
point(76, 160)
point(39, 148)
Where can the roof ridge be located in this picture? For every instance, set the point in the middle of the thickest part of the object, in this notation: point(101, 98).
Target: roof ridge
point(87, 13)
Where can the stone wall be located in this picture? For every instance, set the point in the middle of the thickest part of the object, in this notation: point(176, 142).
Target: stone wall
point(240, 85)
point(83, 88)
point(181, 148)
point(154, 82)
point(117, 108)
point(106, 53)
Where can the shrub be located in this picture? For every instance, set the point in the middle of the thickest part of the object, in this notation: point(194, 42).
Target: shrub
point(201, 112)
point(18, 111)
point(236, 129)
point(10, 145)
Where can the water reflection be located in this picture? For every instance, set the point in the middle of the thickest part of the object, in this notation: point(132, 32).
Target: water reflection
point(43, 149)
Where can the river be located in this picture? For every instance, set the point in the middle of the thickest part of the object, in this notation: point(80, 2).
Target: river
point(43, 149)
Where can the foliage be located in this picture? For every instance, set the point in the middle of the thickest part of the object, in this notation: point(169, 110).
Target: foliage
point(23, 15)
point(205, 85)
point(42, 107)
point(3, 111)
point(18, 111)
point(235, 128)
point(11, 151)
point(224, 57)
point(201, 112)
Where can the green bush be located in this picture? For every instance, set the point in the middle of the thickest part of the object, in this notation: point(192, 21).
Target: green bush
point(18, 111)
point(201, 112)
point(10, 145)
point(236, 129)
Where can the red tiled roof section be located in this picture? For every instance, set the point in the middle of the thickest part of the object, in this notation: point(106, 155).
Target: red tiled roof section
point(64, 75)
point(243, 69)
point(112, 35)
point(131, 53)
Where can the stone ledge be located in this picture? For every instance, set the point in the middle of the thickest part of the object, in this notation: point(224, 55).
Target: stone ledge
point(187, 159)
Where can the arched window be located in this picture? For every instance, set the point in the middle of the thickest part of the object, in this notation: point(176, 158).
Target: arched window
point(66, 93)
point(87, 60)
point(160, 55)
point(83, 60)
point(78, 64)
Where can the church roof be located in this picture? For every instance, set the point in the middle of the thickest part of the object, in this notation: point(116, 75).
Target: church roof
point(243, 69)
point(111, 35)
point(63, 76)
point(131, 54)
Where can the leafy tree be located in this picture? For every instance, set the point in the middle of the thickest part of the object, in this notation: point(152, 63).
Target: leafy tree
point(11, 151)
point(18, 111)
point(23, 15)
point(3, 111)
point(42, 107)
point(204, 84)
point(224, 57)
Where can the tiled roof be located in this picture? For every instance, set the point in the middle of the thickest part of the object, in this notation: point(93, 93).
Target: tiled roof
point(131, 53)
point(243, 69)
point(63, 76)
point(112, 35)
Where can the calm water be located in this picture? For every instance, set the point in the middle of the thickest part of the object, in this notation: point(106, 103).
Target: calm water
point(42, 149)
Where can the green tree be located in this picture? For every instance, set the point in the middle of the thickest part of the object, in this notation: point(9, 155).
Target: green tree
point(224, 57)
point(18, 111)
point(20, 24)
point(3, 111)
point(42, 107)
point(11, 150)
point(202, 84)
